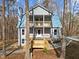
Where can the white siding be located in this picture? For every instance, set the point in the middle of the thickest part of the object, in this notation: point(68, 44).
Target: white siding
point(58, 32)
point(23, 37)
point(55, 36)
point(20, 36)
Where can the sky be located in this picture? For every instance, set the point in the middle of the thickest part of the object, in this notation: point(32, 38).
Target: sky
point(32, 2)
point(60, 4)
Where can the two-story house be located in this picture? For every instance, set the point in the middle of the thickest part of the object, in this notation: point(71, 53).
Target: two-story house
point(42, 25)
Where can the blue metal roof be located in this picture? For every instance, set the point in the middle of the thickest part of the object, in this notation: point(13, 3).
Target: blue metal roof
point(21, 14)
point(21, 22)
point(21, 18)
point(56, 20)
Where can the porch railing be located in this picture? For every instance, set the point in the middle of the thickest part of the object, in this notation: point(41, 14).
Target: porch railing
point(40, 23)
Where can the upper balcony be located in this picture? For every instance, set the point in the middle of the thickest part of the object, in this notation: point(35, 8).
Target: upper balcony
point(40, 20)
point(40, 23)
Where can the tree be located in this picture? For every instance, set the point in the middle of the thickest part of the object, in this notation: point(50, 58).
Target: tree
point(3, 26)
point(28, 43)
point(46, 2)
point(63, 41)
point(27, 20)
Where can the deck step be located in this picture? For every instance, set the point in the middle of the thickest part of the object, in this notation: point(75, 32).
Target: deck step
point(39, 43)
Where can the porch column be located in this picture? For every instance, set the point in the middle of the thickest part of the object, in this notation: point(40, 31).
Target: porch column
point(43, 24)
point(33, 24)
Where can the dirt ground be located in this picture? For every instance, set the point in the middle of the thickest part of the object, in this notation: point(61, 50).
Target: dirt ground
point(37, 54)
point(14, 56)
point(72, 51)
point(40, 54)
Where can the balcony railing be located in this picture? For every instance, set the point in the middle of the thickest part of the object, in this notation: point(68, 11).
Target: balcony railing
point(40, 23)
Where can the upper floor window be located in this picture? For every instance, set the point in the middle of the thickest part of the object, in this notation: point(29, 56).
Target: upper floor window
point(47, 30)
point(22, 31)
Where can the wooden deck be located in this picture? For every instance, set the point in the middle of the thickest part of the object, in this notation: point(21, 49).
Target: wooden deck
point(40, 44)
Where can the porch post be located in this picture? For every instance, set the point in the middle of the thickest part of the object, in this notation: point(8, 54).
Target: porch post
point(43, 25)
point(33, 24)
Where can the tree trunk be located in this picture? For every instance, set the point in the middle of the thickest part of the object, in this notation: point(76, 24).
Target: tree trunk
point(64, 31)
point(27, 20)
point(27, 55)
point(63, 51)
point(64, 17)
point(3, 26)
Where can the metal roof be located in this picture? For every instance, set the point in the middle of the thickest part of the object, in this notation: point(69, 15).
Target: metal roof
point(56, 20)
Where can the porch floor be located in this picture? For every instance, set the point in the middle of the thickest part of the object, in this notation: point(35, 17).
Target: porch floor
point(42, 44)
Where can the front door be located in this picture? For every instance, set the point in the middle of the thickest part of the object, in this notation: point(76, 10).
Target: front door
point(39, 33)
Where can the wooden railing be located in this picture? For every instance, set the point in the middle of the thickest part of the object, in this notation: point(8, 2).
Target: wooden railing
point(40, 23)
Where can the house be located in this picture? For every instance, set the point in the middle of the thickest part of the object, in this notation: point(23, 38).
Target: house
point(41, 23)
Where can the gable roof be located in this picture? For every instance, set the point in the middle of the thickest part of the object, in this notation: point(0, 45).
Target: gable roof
point(38, 5)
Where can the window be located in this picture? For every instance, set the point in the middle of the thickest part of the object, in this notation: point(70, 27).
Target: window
point(23, 40)
point(47, 18)
point(39, 18)
point(22, 31)
point(47, 30)
point(55, 32)
point(36, 19)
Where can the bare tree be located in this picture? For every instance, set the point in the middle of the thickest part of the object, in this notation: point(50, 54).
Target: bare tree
point(27, 20)
point(46, 2)
point(28, 43)
point(3, 26)
point(63, 41)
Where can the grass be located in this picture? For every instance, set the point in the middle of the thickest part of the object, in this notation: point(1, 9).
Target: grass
point(45, 50)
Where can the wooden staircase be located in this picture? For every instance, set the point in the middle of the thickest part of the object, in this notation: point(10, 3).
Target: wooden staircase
point(40, 43)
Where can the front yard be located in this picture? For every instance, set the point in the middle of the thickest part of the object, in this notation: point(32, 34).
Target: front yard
point(72, 52)
point(40, 54)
